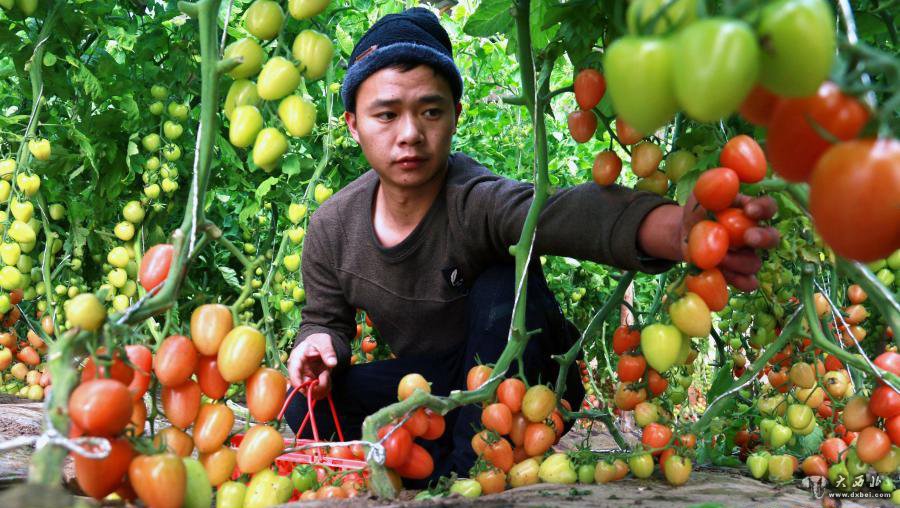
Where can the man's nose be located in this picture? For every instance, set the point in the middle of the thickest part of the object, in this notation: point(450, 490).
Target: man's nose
point(410, 130)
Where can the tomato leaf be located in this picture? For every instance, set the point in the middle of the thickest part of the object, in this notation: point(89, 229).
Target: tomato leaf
point(491, 17)
point(230, 277)
point(721, 382)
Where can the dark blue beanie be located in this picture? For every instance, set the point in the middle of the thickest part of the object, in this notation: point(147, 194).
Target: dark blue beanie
point(412, 36)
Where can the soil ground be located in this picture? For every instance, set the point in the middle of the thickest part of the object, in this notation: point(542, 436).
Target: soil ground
point(708, 487)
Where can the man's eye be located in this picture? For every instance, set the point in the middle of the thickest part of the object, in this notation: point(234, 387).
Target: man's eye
point(433, 113)
point(386, 115)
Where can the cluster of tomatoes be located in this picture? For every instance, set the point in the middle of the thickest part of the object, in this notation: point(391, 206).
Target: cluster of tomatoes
point(28, 377)
point(278, 79)
point(161, 166)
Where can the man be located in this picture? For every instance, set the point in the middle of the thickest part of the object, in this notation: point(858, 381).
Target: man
point(421, 243)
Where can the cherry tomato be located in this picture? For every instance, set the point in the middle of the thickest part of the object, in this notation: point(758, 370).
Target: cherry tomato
point(656, 383)
point(511, 392)
point(219, 464)
point(709, 285)
point(497, 417)
point(589, 88)
point(833, 449)
point(101, 407)
point(885, 403)
point(419, 464)
point(214, 422)
point(631, 367)
point(396, 447)
point(582, 125)
point(99, 478)
point(210, 379)
point(626, 133)
point(240, 353)
point(707, 244)
point(175, 360)
point(645, 159)
point(606, 169)
point(716, 188)
point(175, 441)
point(118, 370)
point(736, 223)
point(500, 454)
point(142, 359)
point(656, 435)
point(744, 155)
point(266, 391)
point(155, 265)
point(436, 425)
point(538, 403)
point(477, 376)
point(492, 481)
point(259, 448)
point(181, 403)
point(872, 444)
point(758, 106)
point(539, 437)
point(625, 339)
point(417, 423)
point(210, 323)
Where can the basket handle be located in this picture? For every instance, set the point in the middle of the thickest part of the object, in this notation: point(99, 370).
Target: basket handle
point(311, 404)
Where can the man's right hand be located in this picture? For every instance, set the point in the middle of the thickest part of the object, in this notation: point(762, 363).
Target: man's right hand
point(313, 359)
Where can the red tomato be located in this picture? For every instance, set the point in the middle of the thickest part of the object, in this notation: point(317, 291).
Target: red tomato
point(889, 361)
point(759, 106)
point(211, 382)
point(477, 376)
point(181, 403)
point(497, 417)
point(709, 285)
point(266, 391)
point(872, 445)
point(815, 465)
point(744, 155)
point(436, 425)
point(606, 169)
point(142, 359)
point(656, 435)
point(419, 464)
point(368, 344)
point(396, 447)
point(833, 449)
point(155, 265)
point(116, 368)
point(101, 407)
point(625, 398)
point(885, 402)
point(500, 454)
point(99, 478)
point(582, 125)
point(210, 323)
point(175, 360)
point(631, 367)
point(863, 178)
point(656, 383)
point(417, 424)
point(736, 222)
point(517, 433)
point(214, 422)
point(833, 363)
point(159, 480)
point(716, 188)
point(892, 426)
point(626, 338)
point(589, 88)
point(28, 356)
point(510, 392)
point(793, 145)
point(626, 133)
point(707, 244)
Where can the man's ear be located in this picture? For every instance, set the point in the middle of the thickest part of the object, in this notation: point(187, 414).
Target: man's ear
point(350, 118)
point(458, 112)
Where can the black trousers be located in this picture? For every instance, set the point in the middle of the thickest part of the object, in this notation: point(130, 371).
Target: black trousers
point(360, 390)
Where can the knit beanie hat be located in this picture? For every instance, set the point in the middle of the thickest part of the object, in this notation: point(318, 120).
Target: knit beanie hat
point(412, 36)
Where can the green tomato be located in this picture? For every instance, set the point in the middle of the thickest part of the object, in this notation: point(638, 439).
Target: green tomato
point(893, 261)
point(118, 257)
point(197, 490)
point(855, 466)
point(466, 488)
point(151, 142)
point(292, 262)
point(172, 130)
point(586, 473)
point(241, 93)
point(303, 477)
point(677, 394)
point(22, 210)
point(263, 19)
point(839, 476)
point(678, 163)
point(5, 189)
point(10, 278)
point(278, 78)
point(639, 81)
point(314, 51)
point(57, 211)
point(29, 184)
point(152, 191)
point(557, 468)
point(779, 435)
point(321, 193)
point(39, 148)
point(781, 468)
point(251, 55)
point(305, 9)
point(133, 212)
point(661, 345)
point(268, 148)
point(159, 92)
point(887, 485)
point(10, 252)
point(246, 122)
point(641, 465)
point(179, 111)
point(758, 465)
point(231, 495)
point(715, 65)
point(157, 108)
point(21, 232)
point(124, 231)
point(296, 235)
point(691, 315)
point(799, 416)
point(152, 164)
point(297, 114)
point(265, 490)
point(886, 277)
point(678, 13)
point(798, 46)
point(296, 212)
point(172, 152)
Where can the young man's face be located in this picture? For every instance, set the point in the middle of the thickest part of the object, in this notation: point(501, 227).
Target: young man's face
point(404, 122)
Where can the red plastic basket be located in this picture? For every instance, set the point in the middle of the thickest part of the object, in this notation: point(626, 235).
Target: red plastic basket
point(314, 456)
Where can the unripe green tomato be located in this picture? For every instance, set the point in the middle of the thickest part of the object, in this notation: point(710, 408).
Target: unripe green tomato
point(251, 55)
point(305, 9)
point(314, 51)
point(159, 92)
point(120, 302)
point(117, 277)
point(152, 164)
point(292, 262)
point(57, 211)
point(124, 231)
point(151, 142)
point(297, 114)
point(85, 311)
point(277, 79)
point(172, 130)
point(249, 248)
point(256, 283)
point(172, 152)
point(28, 184)
point(299, 294)
point(270, 145)
point(179, 111)
point(152, 191)
point(133, 212)
point(157, 108)
point(131, 269)
point(130, 288)
point(118, 257)
point(10, 278)
point(169, 186)
point(322, 192)
point(76, 264)
point(263, 19)
point(241, 93)
point(10, 252)
point(5, 189)
point(246, 122)
point(336, 88)
point(296, 235)
point(73, 291)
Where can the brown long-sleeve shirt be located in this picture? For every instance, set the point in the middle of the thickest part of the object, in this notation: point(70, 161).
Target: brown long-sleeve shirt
point(414, 292)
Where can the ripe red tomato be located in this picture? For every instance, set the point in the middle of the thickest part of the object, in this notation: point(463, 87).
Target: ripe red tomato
point(589, 88)
point(892, 426)
point(396, 447)
point(607, 166)
point(101, 407)
point(99, 478)
point(833, 449)
point(736, 223)
point(710, 285)
point(492, 481)
point(28, 356)
point(266, 391)
point(625, 398)
point(436, 425)
point(625, 339)
point(497, 417)
point(885, 402)
point(259, 448)
point(832, 363)
point(142, 359)
point(214, 422)
point(872, 445)
point(656, 435)
point(181, 403)
point(656, 383)
point(477, 376)
point(500, 454)
point(626, 133)
point(889, 361)
point(419, 464)
point(175, 360)
point(759, 106)
point(159, 480)
point(863, 178)
point(155, 265)
point(114, 369)
point(793, 145)
point(211, 382)
point(716, 188)
point(210, 323)
point(368, 344)
point(707, 244)
point(510, 392)
point(631, 367)
point(744, 155)
point(815, 465)
point(582, 125)
point(417, 424)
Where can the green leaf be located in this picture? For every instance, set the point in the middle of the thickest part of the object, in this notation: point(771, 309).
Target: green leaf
point(684, 186)
point(721, 382)
point(265, 187)
point(230, 277)
point(541, 36)
point(491, 17)
point(345, 40)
